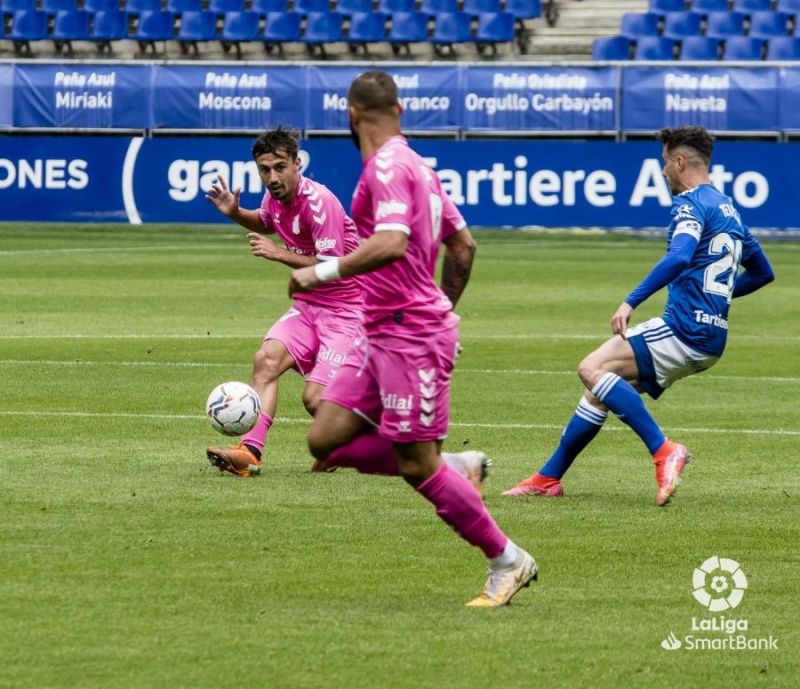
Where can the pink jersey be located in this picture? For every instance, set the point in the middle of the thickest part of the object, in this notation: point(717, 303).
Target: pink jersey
point(315, 224)
point(398, 191)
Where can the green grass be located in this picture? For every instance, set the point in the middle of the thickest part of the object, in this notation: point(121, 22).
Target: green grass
point(127, 561)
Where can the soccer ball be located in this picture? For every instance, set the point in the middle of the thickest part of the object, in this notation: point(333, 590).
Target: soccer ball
point(233, 408)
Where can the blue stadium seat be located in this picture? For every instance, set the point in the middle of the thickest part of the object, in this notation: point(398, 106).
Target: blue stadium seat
point(107, 27)
point(392, 6)
point(724, 24)
point(700, 48)
point(306, 6)
point(11, 6)
point(280, 28)
point(635, 24)
point(768, 24)
point(523, 9)
point(348, 7)
point(434, 7)
point(238, 28)
point(743, 48)
point(178, 7)
point(195, 28)
point(53, 6)
point(365, 28)
point(476, 7)
point(494, 28)
point(135, 7)
point(654, 48)
point(783, 48)
point(93, 6)
point(68, 26)
point(706, 6)
point(153, 27)
point(27, 26)
point(788, 6)
point(322, 28)
point(680, 24)
point(450, 29)
point(611, 48)
point(265, 6)
point(666, 6)
point(748, 6)
point(222, 7)
point(407, 28)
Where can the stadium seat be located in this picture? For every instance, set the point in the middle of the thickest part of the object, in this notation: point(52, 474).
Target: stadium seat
point(348, 7)
point(768, 24)
point(265, 6)
point(635, 24)
point(306, 6)
point(476, 7)
point(706, 6)
point(51, 7)
point(135, 7)
point(783, 48)
point(611, 48)
point(654, 48)
point(407, 28)
point(27, 26)
point(788, 6)
point(93, 6)
point(743, 48)
point(700, 48)
point(680, 24)
point(280, 28)
point(68, 26)
point(195, 28)
point(222, 7)
point(107, 27)
point(322, 28)
point(450, 29)
point(178, 7)
point(493, 28)
point(724, 24)
point(392, 6)
point(153, 27)
point(238, 28)
point(434, 7)
point(365, 28)
point(748, 6)
point(666, 6)
point(523, 9)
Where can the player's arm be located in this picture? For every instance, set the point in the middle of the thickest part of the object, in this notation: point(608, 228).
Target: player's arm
point(227, 203)
point(757, 269)
point(459, 254)
point(264, 247)
point(680, 253)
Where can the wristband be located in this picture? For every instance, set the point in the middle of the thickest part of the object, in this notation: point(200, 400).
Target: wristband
point(327, 270)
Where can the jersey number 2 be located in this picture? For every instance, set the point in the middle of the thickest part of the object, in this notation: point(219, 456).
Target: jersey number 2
point(731, 250)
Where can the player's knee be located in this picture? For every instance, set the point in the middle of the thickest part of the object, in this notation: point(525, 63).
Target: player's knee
point(311, 400)
point(589, 371)
point(266, 364)
point(319, 442)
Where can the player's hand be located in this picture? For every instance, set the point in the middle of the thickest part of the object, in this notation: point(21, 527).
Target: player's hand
point(263, 246)
point(224, 200)
point(303, 280)
point(620, 320)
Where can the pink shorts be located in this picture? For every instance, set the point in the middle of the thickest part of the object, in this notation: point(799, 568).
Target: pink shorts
point(400, 384)
point(318, 338)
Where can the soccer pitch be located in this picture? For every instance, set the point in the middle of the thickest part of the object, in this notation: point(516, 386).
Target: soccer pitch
point(128, 561)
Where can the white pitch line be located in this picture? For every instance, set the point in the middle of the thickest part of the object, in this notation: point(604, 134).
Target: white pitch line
point(461, 424)
point(478, 371)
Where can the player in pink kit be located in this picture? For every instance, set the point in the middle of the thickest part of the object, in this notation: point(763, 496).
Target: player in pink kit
point(313, 336)
point(398, 377)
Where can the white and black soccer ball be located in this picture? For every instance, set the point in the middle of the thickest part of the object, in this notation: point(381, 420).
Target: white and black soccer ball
point(233, 408)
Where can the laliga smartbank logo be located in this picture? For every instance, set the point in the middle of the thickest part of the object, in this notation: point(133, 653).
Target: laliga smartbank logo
point(719, 584)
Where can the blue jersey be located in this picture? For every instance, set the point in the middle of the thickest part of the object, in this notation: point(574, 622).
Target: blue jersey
point(700, 296)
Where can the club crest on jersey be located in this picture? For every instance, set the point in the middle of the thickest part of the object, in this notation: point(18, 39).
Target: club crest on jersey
point(390, 208)
point(684, 212)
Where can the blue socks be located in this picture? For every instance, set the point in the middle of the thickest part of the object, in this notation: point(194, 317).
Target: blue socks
point(579, 432)
point(621, 398)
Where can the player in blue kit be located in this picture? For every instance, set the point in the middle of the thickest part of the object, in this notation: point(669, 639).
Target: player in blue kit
point(707, 243)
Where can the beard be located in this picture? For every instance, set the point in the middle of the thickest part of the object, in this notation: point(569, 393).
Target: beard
point(356, 138)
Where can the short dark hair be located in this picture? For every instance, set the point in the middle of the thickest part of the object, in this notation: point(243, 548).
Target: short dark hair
point(273, 140)
point(374, 90)
point(696, 138)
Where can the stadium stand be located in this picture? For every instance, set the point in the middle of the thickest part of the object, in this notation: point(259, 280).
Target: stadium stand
point(680, 24)
point(494, 28)
point(783, 48)
point(54, 6)
point(654, 48)
point(666, 6)
point(365, 28)
point(766, 24)
point(135, 7)
point(68, 26)
point(636, 24)
point(93, 6)
point(349, 7)
point(788, 6)
point(706, 6)
point(389, 7)
point(27, 26)
point(322, 28)
point(265, 6)
point(238, 28)
point(611, 48)
point(178, 7)
point(281, 28)
point(195, 28)
point(724, 24)
point(434, 7)
point(222, 7)
point(108, 27)
point(154, 27)
point(407, 28)
point(743, 48)
point(474, 8)
point(449, 30)
point(700, 48)
point(748, 6)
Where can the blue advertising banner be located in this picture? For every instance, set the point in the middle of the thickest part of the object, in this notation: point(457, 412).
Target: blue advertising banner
point(789, 99)
point(228, 97)
point(6, 95)
point(75, 95)
point(494, 183)
point(430, 97)
point(528, 99)
point(717, 98)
